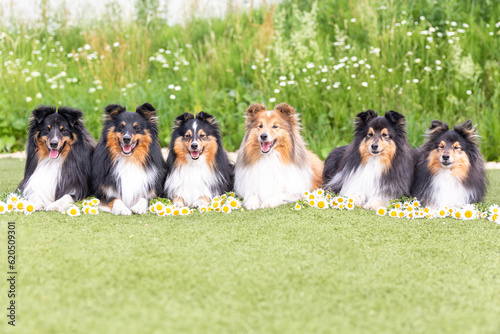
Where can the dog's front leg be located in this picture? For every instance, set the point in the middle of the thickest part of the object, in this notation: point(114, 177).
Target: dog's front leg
point(141, 207)
point(280, 199)
point(252, 202)
point(61, 204)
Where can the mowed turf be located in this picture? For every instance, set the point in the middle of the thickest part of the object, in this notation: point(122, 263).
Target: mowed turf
point(266, 271)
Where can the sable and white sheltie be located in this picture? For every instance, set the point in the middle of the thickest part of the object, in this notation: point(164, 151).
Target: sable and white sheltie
point(273, 166)
point(59, 151)
point(376, 166)
point(198, 168)
point(128, 168)
point(449, 167)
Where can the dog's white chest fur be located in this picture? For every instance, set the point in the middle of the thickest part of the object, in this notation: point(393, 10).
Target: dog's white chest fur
point(447, 190)
point(192, 181)
point(269, 177)
point(362, 184)
point(42, 185)
point(134, 181)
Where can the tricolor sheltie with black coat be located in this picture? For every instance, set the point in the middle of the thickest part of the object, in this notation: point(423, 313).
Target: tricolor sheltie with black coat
point(376, 166)
point(273, 166)
point(59, 151)
point(449, 168)
point(128, 168)
point(198, 168)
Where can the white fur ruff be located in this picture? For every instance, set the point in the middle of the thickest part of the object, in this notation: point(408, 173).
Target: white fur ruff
point(363, 183)
point(192, 181)
point(448, 191)
point(270, 182)
point(133, 180)
point(42, 185)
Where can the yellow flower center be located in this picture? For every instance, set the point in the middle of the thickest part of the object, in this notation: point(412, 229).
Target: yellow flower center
point(381, 211)
point(10, 206)
point(234, 204)
point(321, 204)
point(457, 214)
point(2, 208)
point(341, 200)
point(158, 207)
point(394, 214)
point(20, 206)
point(72, 211)
point(185, 211)
point(225, 209)
point(494, 217)
point(30, 208)
point(468, 214)
point(176, 212)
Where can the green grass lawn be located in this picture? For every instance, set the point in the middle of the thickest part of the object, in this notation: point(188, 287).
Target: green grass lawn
point(274, 270)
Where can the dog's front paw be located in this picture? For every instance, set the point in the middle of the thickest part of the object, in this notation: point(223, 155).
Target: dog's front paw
point(281, 199)
point(178, 202)
point(374, 204)
point(119, 208)
point(141, 207)
point(203, 201)
point(252, 203)
point(61, 204)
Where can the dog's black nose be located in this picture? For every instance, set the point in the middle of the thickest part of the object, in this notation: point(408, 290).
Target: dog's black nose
point(263, 136)
point(446, 157)
point(53, 143)
point(126, 139)
point(374, 147)
point(194, 146)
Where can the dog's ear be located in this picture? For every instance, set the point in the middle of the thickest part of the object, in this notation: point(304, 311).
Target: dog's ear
point(467, 130)
point(113, 110)
point(71, 115)
point(364, 117)
point(148, 112)
point(285, 109)
point(255, 109)
point(437, 126)
point(396, 118)
point(39, 114)
point(182, 119)
point(204, 117)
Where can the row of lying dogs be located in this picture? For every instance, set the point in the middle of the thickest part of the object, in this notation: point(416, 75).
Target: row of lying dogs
point(126, 168)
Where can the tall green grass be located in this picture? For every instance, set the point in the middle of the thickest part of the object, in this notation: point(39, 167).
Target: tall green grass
point(329, 59)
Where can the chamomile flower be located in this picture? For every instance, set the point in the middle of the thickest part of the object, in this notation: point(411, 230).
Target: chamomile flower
point(320, 192)
point(340, 200)
point(350, 200)
point(328, 196)
point(19, 205)
point(169, 210)
point(494, 209)
point(226, 208)
point(297, 206)
point(232, 194)
point(410, 214)
point(234, 203)
point(73, 211)
point(415, 204)
point(185, 211)
point(215, 204)
point(322, 204)
point(203, 209)
point(401, 214)
point(311, 196)
point(484, 215)
point(216, 199)
point(468, 212)
point(350, 206)
point(457, 214)
point(86, 203)
point(426, 210)
point(382, 211)
point(341, 206)
point(95, 201)
point(306, 194)
point(442, 213)
point(94, 211)
point(406, 204)
point(29, 209)
point(409, 208)
point(161, 213)
point(152, 208)
point(217, 209)
point(312, 202)
point(159, 206)
point(86, 209)
point(393, 213)
point(13, 198)
point(223, 197)
point(398, 205)
point(494, 218)
point(3, 208)
point(176, 211)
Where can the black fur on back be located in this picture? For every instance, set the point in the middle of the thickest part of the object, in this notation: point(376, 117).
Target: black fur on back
point(102, 163)
point(466, 134)
point(76, 169)
point(223, 167)
point(396, 181)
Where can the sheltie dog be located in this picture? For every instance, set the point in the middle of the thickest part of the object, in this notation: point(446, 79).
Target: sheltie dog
point(128, 168)
point(198, 168)
point(376, 166)
point(273, 166)
point(449, 168)
point(59, 151)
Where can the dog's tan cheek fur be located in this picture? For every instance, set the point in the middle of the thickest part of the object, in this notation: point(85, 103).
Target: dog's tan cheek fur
point(364, 150)
point(252, 148)
point(434, 163)
point(113, 144)
point(180, 150)
point(389, 150)
point(140, 153)
point(210, 148)
point(461, 164)
point(284, 145)
point(42, 151)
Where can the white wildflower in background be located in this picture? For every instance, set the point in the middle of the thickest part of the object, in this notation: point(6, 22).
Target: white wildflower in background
point(92, 90)
point(172, 97)
point(272, 99)
point(364, 84)
point(28, 99)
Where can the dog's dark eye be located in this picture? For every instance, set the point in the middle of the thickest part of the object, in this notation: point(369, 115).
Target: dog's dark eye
point(64, 130)
point(120, 127)
point(369, 135)
point(441, 146)
point(260, 126)
point(457, 147)
point(275, 126)
point(137, 128)
point(187, 136)
point(384, 135)
point(202, 136)
point(47, 129)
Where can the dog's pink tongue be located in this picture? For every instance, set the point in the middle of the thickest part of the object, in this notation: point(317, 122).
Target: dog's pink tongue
point(54, 154)
point(127, 148)
point(195, 154)
point(266, 146)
